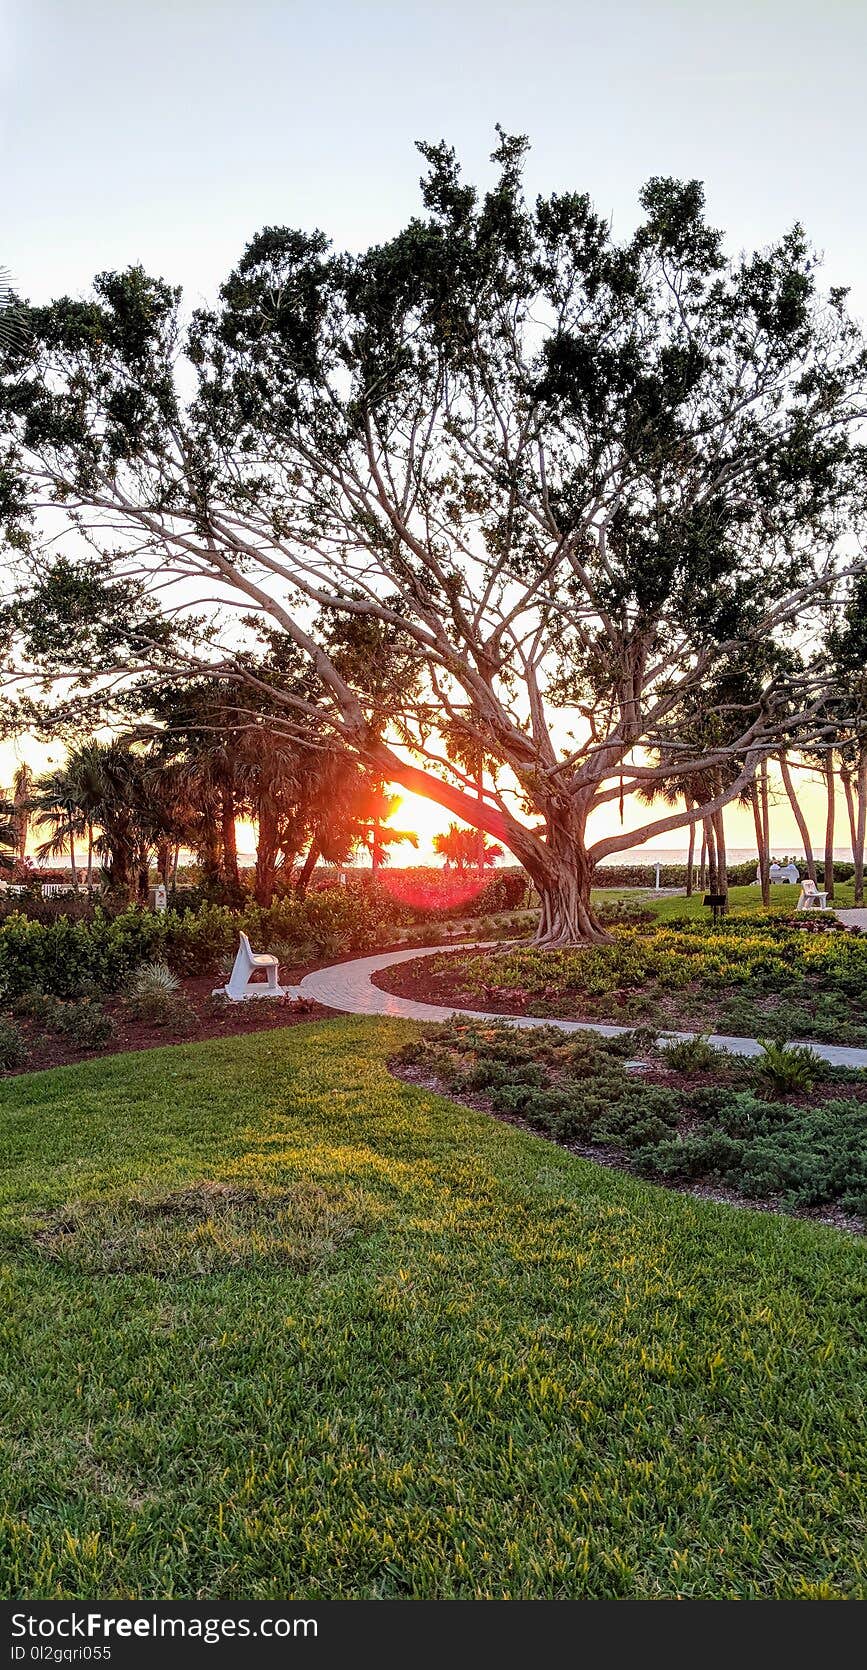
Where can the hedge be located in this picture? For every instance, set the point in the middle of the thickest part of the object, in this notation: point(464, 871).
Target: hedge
point(67, 956)
point(674, 875)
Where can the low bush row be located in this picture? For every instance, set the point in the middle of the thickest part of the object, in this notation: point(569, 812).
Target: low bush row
point(674, 875)
point(69, 955)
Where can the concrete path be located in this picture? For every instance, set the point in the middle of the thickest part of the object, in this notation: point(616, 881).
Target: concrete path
point(853, 918)
point(348, 987)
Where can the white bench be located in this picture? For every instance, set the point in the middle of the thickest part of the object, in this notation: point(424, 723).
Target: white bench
point(780, 872)
point(812, 898)
point(241, 985)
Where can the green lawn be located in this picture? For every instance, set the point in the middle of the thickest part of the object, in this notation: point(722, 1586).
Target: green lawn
point(448, 1359)
point(743, 901)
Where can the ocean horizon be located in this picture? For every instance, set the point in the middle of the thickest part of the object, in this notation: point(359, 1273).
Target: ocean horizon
point(735, 855)
point(633, 855)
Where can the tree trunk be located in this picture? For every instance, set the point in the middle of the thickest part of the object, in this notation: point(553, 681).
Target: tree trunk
point(846, 780)
point(22, 821)
point(208, 847)
point(163, 860)
point(799, 817)
point(267, 846)
point(702, 870)
point(764, 866)
point(830, 788)
point(722, 879)
point(73, 867)
point(229, 838)
point(563, 883)
point(860, 826)
point(766, 819)
point(143, 867)
point(710, 855)
point(307, 869)
point(690, 856)
point(120, 859)
point(89, 858)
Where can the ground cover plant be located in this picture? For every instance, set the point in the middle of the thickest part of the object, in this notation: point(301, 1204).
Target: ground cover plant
point(754, 975)
point(278, 1324)
point(785, 1128)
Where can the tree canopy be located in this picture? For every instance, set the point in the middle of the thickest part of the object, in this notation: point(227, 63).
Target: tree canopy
point(503, 476)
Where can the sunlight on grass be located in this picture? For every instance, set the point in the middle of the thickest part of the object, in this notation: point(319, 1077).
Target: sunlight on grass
point(519, 1375)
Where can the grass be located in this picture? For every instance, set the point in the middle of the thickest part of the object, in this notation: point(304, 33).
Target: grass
point(743, 901)
point(421, 1355)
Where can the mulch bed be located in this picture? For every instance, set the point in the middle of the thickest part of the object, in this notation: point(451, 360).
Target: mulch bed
point(225, 1020)
point(212, 1020)
point(416, 980)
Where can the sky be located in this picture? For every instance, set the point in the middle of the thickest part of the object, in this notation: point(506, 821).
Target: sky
point(168, 131)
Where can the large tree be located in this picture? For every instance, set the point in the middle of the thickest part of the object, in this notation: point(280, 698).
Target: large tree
point(573, 478)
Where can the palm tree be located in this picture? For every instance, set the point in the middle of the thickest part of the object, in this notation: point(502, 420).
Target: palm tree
point(794, 802)
point(100, 783)
point(8, 835)
point(86, 769)
point(22, 789)
point(462, 849)
point(11, 326)
point(55, 806)
point(376, 807)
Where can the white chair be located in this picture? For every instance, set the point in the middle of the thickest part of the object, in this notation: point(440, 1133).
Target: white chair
point(812, 898)
point(240, 985)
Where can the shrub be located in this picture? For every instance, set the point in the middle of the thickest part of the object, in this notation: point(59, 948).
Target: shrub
point(153, 992)
point(13, 1049)
point(155, 997)
point(756, 977)
point(420, 894)
point(787, 1068)
point(38, 1007)
point(674, 875)
point(289, 951)
point(65, 957)
point(692, 1055)
point(84, 1025)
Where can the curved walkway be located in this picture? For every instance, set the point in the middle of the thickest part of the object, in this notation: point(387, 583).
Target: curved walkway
point(348, 987)
point(853, 918)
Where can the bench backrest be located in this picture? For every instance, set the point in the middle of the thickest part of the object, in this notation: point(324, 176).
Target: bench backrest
point(809, 887)
point(245, 945)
